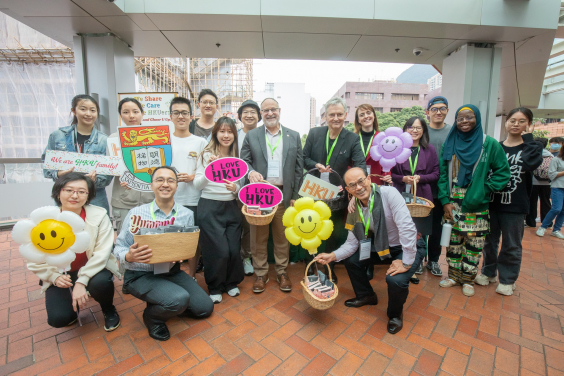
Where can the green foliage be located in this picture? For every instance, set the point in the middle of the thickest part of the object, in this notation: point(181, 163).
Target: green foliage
point(538, 133)
point(304, 138)
point(350, 127)
point(398, 119)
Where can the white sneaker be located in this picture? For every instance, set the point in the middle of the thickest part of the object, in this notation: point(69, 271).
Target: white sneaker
point(484, 280)
point(216, 298)
point(505, 289)
point(248, 266)
point(447, 283)
point(234, 292)
point(468, 290)
point(541, 231)
point(557, 234)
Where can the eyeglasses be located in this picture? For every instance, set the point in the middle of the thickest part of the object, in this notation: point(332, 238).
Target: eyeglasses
point(273, 110)
point(251, 112)
point(434, 110)
point(465, 118)
point(337, 115)
point(417, 129)
point(178, 113)
point(352, 186)
point(208, 103)
point(71, 192)
point(161, 181)
point(520, 122)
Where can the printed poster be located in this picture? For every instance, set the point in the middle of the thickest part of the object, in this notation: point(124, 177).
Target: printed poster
point(156, 107)
point(64, 160)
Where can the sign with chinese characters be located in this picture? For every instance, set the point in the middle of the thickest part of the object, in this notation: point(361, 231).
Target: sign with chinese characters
point(64, 160)
point(156, 107)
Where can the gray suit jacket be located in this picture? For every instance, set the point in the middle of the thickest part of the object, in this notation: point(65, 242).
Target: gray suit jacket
point(254, 152)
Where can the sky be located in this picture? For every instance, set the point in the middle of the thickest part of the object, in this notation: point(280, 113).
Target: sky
point(322, 78)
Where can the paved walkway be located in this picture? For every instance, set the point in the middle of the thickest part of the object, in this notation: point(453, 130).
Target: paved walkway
point(278, 333)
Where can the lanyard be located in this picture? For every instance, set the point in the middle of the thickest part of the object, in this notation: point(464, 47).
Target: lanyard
point(414, 165)
point(76, 144)
point(153, 211)
point(327, 147)
point(365, 153)
point(272, 150)
point(367, 223)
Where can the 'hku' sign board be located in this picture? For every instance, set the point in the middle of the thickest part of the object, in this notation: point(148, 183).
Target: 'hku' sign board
point(317, 189)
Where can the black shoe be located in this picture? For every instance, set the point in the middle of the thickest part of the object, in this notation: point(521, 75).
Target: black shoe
point(124, 290)
point(334, 278)
point(435, 269)
point(370, 272)
point(395, 325)
point(414, 280)
point(158, 331)
point(359, 302)
point(111, 319)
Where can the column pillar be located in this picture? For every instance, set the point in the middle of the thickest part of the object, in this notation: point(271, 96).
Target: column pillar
point(471, 76)
point(104, 67)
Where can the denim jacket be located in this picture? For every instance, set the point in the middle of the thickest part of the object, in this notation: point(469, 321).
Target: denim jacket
point(63, 139)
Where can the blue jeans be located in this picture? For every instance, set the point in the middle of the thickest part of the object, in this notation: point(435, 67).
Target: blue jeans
point(557, 210)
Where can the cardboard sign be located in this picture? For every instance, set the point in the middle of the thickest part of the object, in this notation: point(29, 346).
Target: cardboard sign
point(156, 107)
point(144, 148)
point(260, 194)
point(231, 169)
point(317, 189)
point(114, 147)
point(63, 160)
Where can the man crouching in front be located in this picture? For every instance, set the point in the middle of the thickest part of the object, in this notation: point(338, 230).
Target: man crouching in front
point(381, 231)
point(168, 294)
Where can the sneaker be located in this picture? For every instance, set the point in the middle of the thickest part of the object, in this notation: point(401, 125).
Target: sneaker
point(248, 266)
point(435, 269)
point(111, 319)
point(234, 292)
point(448, 283)
point(557, 234)
point(216, 298)
point(468, 290)
point(484, 280)
point(541, 231)
point(505, 289)
point(419, 269)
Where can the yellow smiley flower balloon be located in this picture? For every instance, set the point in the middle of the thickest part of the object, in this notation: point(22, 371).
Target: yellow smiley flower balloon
point(307, 223)
point(51, 236)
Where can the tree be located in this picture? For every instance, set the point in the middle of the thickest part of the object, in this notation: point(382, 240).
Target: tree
point(398, 119)
point(350, 127)
point(304, 138)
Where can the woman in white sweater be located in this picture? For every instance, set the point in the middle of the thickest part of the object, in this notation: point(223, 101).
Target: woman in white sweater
point(556, 176)
point(219, 216)
point(91, 272)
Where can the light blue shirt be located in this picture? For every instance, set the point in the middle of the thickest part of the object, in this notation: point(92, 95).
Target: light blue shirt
point(140, 217)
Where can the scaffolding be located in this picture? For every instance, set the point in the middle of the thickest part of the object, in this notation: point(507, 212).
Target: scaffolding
point(163, 74)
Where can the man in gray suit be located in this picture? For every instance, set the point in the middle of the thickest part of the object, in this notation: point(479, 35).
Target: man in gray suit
point(274, 154)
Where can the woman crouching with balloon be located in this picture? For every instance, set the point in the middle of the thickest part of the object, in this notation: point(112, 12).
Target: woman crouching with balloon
point(74, 237)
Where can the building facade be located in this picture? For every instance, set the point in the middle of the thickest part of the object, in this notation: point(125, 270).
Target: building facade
point(312, 114)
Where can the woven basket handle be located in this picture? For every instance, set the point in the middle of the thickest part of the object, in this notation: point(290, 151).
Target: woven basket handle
point(307, 268)
point(332, 172)
point(414, 188)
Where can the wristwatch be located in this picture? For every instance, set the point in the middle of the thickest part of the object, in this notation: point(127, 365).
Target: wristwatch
point(406, 265)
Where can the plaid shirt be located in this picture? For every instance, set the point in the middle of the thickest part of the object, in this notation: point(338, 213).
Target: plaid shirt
point(140, 217)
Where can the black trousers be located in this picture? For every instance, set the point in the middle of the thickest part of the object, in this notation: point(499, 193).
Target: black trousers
point(542, 193)
point(398, 285)
point(58, 301)
point(434, 248)
point(168, 294)
point(220, 241)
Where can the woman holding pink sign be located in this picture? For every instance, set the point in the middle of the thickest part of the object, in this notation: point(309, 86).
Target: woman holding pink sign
point(219, 216)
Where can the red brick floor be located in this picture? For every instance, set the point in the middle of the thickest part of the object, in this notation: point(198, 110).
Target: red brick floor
point(278, 333)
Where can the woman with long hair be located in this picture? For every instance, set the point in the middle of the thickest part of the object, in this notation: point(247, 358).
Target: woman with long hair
point(366, 127)
point(509, 206)
point(219, 216)
point(555, 174)
point(82, 137)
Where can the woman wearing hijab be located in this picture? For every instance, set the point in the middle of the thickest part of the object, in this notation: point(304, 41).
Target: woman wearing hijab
point(472, 166)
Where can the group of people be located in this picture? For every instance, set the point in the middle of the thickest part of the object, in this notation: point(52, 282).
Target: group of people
point(479, 185)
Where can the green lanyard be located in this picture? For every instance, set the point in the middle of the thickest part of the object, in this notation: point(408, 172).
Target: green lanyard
point(367, 223)
point(370, 143)
point(327, 147)
point(414, 165)
point(272, 150)
point(153, 211)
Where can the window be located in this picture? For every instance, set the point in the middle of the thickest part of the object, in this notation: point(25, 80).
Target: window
point(379, 109)
point(347, 95)
point(358, 95)
point(395, 109)
point(348, 109)
point(405, 97)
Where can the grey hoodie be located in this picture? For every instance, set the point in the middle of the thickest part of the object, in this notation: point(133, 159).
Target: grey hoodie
point(556, 166)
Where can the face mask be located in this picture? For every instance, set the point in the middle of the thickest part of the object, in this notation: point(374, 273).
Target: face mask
point(555, 146)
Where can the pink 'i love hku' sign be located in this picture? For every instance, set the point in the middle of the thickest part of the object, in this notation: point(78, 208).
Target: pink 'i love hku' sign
point(260, 194)
point(231, 169)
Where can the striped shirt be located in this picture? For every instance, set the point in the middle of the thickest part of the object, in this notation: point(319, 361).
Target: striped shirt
point(140, 217)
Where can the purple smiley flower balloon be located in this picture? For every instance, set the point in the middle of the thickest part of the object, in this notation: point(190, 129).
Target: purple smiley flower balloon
point(391, 147)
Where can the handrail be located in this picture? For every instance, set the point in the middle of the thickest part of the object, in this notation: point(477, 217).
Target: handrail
point(20, 160)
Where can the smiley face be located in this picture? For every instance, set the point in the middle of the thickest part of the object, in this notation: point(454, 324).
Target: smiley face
point(307, 223)
point(52, 236)
point(391, 146)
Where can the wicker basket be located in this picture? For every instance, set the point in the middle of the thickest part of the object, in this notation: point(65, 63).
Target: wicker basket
point(170, 246)
point(313, 300)
point(258, 220)
point(336, 203)
point(419, 210)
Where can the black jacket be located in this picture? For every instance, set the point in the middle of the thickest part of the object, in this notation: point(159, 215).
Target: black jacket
point(347, 152)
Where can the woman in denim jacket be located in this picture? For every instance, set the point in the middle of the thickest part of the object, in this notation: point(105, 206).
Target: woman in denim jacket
point(82, 137)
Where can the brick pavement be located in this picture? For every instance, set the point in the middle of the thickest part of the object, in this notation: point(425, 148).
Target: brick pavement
point(277, 333)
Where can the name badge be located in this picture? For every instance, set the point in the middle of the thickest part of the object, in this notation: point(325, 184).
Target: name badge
point(273, 168)
point(325, 176)
point(163, 267)
point(368, 169)
point(365, 247)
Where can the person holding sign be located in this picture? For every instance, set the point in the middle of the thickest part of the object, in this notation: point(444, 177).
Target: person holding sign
point(207, 103)
point(380, 231)
point(124, 198)
point(219, 216)
point(366, 127)
point(333, 148)
point(273, 153)
point(167, 294)
point(82, 137)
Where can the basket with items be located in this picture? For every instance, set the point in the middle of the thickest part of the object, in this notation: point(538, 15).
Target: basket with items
point(418, 206)
point(319, 292)
point(257, 216)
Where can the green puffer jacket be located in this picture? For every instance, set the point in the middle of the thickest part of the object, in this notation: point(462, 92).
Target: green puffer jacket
point(491, 174)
